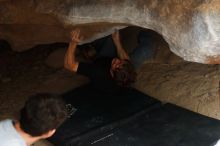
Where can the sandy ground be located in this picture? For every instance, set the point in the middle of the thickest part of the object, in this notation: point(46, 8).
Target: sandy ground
point(190, 85)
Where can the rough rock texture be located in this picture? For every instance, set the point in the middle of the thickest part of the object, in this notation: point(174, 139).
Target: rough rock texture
point(190, 85)
point(191, 28)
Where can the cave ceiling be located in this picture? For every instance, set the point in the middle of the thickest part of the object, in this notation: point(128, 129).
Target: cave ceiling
point(191, 27)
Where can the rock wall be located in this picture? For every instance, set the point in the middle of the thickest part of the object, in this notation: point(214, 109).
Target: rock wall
point(191, 28)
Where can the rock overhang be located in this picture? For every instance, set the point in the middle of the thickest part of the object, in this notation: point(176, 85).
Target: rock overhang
point(191, 28)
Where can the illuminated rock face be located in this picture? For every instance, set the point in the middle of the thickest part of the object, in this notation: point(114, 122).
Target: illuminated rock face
point(191, 28)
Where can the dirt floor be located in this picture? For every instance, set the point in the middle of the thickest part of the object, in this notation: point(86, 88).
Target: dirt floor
point(191, 85)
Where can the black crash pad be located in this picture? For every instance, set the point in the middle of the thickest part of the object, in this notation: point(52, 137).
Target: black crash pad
point(132, 118)
point(169, 125)
point(98, 112)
